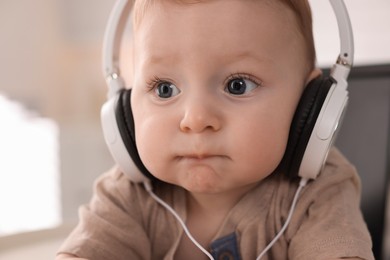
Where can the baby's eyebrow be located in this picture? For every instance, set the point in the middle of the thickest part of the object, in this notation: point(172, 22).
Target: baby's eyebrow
point(260, 59)
point(157, 59)
point(160, 58)
point(228, 58)
point(249, 55)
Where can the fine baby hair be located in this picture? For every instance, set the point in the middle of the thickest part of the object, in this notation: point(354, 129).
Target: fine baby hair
point(313, 129)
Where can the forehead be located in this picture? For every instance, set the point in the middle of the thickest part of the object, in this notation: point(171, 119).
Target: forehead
point(141, 7)
point(217, 27)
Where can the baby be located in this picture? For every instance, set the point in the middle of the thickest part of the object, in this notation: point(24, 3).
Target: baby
point(215, 85)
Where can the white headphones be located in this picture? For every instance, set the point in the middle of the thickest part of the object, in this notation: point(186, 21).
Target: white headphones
point(312, 132)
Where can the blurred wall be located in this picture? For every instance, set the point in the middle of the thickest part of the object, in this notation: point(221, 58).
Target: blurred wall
point(50, 61)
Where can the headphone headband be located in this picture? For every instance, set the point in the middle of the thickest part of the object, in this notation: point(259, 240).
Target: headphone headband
point(111, 44)
point(345, 32)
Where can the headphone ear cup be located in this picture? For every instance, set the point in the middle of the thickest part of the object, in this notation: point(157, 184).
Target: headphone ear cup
point(302, 125)
point(125, 121)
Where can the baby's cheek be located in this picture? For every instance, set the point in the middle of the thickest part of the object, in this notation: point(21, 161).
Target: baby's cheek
point(151, 151)
point(144, 147)
point(265, 148)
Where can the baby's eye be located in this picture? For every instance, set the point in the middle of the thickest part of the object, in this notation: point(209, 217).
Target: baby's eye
point(240, 86)
point(166, 90)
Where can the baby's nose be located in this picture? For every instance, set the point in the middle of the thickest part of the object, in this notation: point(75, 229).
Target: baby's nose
point(200, 114)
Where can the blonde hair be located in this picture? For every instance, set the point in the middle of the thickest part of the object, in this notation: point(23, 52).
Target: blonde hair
point(300, 8)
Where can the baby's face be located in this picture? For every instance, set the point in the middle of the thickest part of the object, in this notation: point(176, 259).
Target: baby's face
point(215, 88)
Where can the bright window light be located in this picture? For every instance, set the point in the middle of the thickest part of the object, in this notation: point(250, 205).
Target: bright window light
point(29, 170)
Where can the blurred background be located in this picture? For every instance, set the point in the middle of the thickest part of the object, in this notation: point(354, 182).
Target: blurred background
point(52, 88)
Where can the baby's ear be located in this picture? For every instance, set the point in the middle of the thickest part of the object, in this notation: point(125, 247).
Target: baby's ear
point(316, 72)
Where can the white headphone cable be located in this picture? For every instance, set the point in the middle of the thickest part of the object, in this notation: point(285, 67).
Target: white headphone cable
point(302, 184)
point(149, 189)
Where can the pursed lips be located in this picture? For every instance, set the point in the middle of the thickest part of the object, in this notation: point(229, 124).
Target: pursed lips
point(201, 157)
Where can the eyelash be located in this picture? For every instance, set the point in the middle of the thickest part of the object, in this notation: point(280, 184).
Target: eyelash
point(153, 83)
point(239, 75)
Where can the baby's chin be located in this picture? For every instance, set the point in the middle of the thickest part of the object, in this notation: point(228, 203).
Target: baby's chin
point(209, 183)
point(200, 179)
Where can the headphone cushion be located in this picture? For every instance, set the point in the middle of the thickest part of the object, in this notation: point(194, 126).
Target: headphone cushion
point(125, 121)
point(304, 120)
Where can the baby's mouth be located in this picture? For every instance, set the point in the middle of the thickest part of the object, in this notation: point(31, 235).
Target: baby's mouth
point(200, 157)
